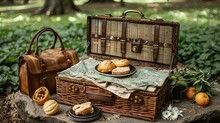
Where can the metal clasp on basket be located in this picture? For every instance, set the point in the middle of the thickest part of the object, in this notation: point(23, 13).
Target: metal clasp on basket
point(155, 46)
point(136, 45)
point(73, 88)
point(136, 99)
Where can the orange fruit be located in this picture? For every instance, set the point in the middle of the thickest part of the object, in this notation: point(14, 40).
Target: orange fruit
point(190, 92)
point(41, 95)
point(202, 99)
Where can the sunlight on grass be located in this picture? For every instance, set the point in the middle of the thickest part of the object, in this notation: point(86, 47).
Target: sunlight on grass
point(38, 19)
point(16, 19)
point(72, 19)
point(19, 7)
point(56, 19)
point(80, 2)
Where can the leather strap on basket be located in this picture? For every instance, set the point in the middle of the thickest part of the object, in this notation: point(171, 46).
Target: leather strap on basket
point(156, 42)
point(103, 38)
point(123, 39)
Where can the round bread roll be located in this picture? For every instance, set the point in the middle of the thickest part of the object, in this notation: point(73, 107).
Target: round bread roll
point(115, 60)
point(120, 70)
point(121, 63)
point(106, 66)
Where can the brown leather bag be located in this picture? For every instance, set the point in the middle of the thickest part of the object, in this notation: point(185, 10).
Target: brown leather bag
point(40, 69)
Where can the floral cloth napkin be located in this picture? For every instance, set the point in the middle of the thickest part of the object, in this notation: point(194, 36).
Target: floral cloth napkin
point(143, 78)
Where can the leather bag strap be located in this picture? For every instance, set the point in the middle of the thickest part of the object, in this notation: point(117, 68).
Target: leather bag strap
point(37, 35)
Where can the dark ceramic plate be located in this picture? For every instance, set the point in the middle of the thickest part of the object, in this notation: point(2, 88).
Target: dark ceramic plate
point(85, 119)
point(132, 71)
point(94, 114)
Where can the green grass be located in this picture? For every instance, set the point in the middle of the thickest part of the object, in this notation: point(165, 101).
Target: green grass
point(184, 17)
point(20, 6)
point(7, 20)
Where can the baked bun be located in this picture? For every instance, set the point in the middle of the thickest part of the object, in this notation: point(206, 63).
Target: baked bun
point(106, 66)
point(115, 60)
point(120, 70)
point(83, 109)
point(121, 63)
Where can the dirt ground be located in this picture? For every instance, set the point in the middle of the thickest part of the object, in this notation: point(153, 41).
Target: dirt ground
point(9, 112)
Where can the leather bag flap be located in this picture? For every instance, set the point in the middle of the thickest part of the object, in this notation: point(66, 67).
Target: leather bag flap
point(53, 59)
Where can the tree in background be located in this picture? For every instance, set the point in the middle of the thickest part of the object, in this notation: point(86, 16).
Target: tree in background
point(57, 7)
point(10, 1)
point(122, 3)
point(26, 1)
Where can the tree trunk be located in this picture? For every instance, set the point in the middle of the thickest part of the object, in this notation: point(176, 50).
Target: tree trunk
point(10, 1)
point(57, 7)
point(122, 3)
point(26, 1)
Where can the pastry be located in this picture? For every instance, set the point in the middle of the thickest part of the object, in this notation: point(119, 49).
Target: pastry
point(51, 107)
point(115, 60)
point(121, 63)
point(106, 66)
point(120, 70)
point(83, 109)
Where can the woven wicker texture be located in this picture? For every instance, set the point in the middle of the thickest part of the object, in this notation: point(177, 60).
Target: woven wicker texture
point(141, 104)
point(134, 31)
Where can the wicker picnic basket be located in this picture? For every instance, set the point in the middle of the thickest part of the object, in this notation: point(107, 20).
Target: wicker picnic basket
point(144, 42)
point(141, 104)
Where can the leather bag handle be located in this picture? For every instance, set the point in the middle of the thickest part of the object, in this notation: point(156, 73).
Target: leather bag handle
point(132, 11)
point(37, 35)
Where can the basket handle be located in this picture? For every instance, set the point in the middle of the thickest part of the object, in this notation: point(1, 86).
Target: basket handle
point(132, 11)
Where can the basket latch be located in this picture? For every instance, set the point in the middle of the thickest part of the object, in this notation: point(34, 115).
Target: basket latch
point(136, 45)
point(73, 88)
point(136, 99)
